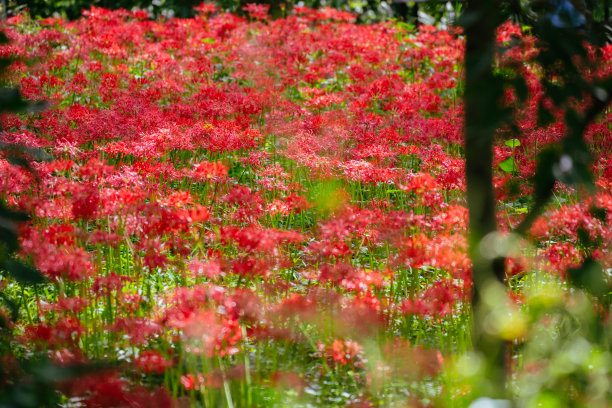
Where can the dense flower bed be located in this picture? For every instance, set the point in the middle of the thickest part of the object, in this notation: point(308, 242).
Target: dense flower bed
point(250, 213)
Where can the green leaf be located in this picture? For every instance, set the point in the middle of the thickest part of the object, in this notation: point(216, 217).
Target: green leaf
point(411, 44)
point(508, 165)
point(24, 273)
point(513, 143)
point(409, 28)
point(590, 277)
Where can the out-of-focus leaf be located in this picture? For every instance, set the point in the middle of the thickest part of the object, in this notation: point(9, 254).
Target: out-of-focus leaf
point(18, 150)
point(47, 371)
point(38, 387)
point(545, 118)
point(328, 196)
point(11, 101)
point(467, 19)
point(13, 215)
point(8, 235)
point(544, 180)
point(598, 213)
point(520, 86)
point(579, 172)
point(24, 273)
point(4, 63)
point(409, 28)
point(19, 161)
point(590, 277)
point(13, 307)
point(584, 237)
point(556, 93)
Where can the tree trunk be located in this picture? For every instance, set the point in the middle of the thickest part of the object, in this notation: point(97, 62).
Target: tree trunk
point(482, 97)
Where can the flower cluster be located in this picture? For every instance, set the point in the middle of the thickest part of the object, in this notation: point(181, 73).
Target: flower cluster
point(231, 198)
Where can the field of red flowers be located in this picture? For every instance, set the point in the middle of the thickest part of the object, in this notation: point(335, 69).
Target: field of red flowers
point(240, 212)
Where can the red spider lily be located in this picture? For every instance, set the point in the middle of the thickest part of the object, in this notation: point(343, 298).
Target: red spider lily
point(138, 330)
point(421, 183)
point(67, 304)
point(259, 240)
point(257, 11)
point(151, 361)
point(247, 204)
point(16, 179)
point(342, 352)
point(184, 152)
point(361, 316)
point(407, 360)
point(85, 203)
point(289, 380)
point(446, 252)
point(216, 379)
point(515, 266)
point(65, 332)
point(109, 390)
point(205, 170)
point(206, 331)
point(559, 257)
point(206, 8)
point(205, 334)
point(104, 285)
point(56, 260)
point(439, 300)
point(296, 305)
point(250, 267)
point(362, 281)
point(211, 270)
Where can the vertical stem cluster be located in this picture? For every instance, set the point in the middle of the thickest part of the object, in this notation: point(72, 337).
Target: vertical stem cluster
point(482, 117)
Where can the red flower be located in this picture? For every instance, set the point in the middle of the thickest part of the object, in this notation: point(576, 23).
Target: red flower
point(151, 361)
point(257, 11)
point(85, 203)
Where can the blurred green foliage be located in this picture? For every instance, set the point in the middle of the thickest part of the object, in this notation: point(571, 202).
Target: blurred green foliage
point(414, 12)
point(72, 8)
point(367, 10)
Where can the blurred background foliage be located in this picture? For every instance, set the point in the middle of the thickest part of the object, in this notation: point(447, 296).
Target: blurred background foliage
point(426, 12)
point(72, 8)
point(439, 12)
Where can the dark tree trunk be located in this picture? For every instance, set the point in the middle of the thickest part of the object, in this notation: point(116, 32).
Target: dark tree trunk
point(482, 97)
